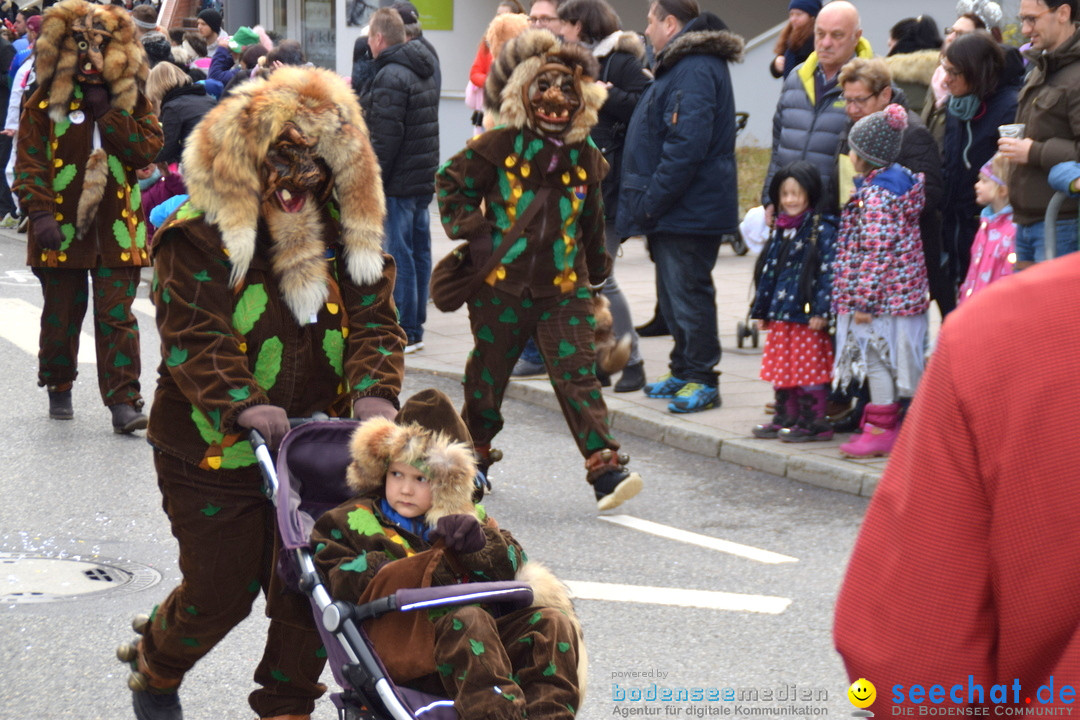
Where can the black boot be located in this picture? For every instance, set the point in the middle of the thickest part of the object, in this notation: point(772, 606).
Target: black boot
point(612, 483)
point(655, 327)
point(126, 419)
point(783, 417)
point(60, 403)
point(632, 378)
point(812, 424)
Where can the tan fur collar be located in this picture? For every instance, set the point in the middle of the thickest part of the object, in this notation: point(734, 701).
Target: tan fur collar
point(225, 152)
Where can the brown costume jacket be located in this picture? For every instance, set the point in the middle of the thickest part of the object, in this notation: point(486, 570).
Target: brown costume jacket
point(226, 349)
point(50, 172)
point(562, 248)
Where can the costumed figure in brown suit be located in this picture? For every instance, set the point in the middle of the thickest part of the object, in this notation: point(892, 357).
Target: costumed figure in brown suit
point(274, 300)
point(547, 103)
point(82, 135)
point(413, 519)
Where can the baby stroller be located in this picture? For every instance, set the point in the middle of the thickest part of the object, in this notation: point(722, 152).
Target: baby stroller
point(308, 479)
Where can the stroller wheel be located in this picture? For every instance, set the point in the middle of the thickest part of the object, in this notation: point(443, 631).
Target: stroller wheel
point(754, 335)
point(740, 333)
point(739, 245)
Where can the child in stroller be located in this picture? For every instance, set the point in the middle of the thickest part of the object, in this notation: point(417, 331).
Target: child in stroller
point(413, 516)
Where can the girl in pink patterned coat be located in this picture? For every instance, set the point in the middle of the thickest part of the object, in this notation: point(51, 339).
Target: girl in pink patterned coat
point(880, 289)
point(994, 248)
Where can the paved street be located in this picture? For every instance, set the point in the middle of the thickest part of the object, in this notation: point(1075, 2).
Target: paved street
point(743, 599)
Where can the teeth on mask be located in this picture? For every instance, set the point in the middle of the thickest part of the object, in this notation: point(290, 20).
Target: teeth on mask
point(88, 67)
point(286, 195)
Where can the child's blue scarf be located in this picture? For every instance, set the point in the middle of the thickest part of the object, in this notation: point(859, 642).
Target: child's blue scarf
point(416, 526)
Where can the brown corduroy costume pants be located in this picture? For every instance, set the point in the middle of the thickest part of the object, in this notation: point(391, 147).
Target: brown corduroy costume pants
point(116, 332)
point(523, 664)
point(565, 331)
point(228, 552)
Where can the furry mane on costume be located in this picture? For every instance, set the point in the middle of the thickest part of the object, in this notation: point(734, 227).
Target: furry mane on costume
point(224, 154)
point(521, 60)
point(449, 465)
point(124, 61)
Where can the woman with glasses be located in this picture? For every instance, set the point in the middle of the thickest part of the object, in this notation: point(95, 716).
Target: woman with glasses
point(980, 99)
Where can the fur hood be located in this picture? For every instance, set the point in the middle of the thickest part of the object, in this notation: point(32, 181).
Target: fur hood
point(124, 61)
point(620, 41)
point(519, 62)
point(449, 465)
point(701, 36)
point(914, 67)
point(224, 154)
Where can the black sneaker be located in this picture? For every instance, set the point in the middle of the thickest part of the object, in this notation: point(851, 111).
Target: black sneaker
point(633, 378)
point(156, 706)
point(126, 419)
point(615, 487)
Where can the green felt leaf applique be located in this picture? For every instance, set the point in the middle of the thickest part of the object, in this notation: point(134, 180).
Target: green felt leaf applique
point(457, 624)
point(321, 652)
point(121, 234)
point(280, 676)
point(136, 197)
point(202, 276)
point(550, 669)
point(364, 522)
point(64, 177)
point(176, 357)
point(365, 382)
point(334, 347)
point(68, 231)
point(117, 170)
point(140, 235)
point(476, 646)
point(358, 564)
point(240, 394)
point(249, 308)
point(121, 360)
point(210, 510)
point(268, 363)
point(511, 551)
point(566, 349)
point(563, 647)
point(187, 211)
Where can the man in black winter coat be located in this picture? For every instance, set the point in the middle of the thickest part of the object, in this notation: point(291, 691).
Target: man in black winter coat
point(401, 107)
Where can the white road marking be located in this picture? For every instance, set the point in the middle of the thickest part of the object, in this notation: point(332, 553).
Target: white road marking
point(680, 597)
point(22, 326)
point(674, 533)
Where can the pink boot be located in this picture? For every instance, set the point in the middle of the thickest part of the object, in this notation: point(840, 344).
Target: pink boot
point(879, 431)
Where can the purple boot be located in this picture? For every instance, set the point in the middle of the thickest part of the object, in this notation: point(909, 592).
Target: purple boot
point(811, 425)
point(787, 411)
point(880, 429)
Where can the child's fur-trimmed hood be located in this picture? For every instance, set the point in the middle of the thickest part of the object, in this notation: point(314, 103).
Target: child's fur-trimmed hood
point(450, 466)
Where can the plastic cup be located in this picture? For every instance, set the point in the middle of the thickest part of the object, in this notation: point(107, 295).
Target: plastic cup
point(1012, 130)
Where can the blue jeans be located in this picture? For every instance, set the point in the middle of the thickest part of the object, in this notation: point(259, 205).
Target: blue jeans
point(1030, 240)
point(687, 298)
point(408, 240)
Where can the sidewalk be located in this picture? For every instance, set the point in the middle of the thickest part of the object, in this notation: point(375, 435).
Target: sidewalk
point(722, 433)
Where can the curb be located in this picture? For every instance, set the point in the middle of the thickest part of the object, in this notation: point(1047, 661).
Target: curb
point(770, 457)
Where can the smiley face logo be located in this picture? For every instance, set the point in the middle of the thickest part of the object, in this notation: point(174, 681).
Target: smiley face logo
point(862, 693)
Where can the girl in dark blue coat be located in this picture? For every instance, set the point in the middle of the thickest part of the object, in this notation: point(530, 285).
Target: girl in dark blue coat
point(794, 290)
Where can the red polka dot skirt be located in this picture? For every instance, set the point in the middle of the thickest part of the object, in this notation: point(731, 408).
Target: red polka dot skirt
point(795, 355)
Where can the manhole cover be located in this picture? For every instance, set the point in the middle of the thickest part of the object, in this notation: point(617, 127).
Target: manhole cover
point(27, 578)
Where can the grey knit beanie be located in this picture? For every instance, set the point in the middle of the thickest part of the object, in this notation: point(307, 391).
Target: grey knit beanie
point(876, 138)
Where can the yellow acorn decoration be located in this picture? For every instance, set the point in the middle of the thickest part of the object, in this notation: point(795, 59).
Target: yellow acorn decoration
point(333, 308)
point(582, 175)
point(44, 255)
point(344, 332)
point(43, 104)
point(124, 213)
point(59, 217)
point(125, 256)
point(214, 462)
point(120, 194)
point(59, 199)
point(525, 170)
point(62, 256)
point(243, 347)
point(57, 162)
point(511, 161)
point(566, 178)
